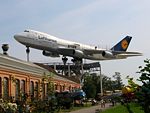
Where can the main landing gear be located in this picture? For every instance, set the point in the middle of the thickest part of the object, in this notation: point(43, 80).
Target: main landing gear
point(74, 60)
point(77, 60)
point(64, 59)
point(78, 68)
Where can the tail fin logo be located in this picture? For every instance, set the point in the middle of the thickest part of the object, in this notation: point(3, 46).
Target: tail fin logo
point(124, 44)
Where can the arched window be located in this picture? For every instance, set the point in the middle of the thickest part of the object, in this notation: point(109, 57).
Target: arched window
point(32, 89)
point(46, 89)
point(23, 86)
point(0, 87)
point(60, 88)
point(73, 89)
point(64, 88)
point(69, 88)
point(56, 88)
point(43, 91)
point(6, 88)
point(17, 90)
point(36, 90)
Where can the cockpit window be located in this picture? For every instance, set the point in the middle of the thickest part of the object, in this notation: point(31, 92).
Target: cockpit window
point(26, 30)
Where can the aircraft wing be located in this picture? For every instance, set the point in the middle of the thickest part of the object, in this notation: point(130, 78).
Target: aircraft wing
point(85, 51)
point(65, 51)
point(92, 51)
point(112, 54)
point(71, 51)
point(78, 53)
point(126, 54)
point(130, 54)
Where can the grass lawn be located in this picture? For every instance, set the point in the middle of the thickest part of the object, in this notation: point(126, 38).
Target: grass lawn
point(133, 108)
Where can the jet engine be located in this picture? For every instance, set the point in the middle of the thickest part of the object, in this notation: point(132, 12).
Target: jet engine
point(107, 54)
point(78, 53)
point(48, 53)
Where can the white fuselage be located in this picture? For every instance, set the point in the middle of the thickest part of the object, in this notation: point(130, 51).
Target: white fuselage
point(43, 41)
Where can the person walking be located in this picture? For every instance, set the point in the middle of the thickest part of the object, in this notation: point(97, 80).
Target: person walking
point(102, 103)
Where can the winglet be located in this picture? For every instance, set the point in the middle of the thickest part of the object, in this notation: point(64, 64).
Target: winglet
point(122, 45)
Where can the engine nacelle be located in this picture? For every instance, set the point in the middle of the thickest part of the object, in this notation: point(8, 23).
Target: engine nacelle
point(50, 54)
point(78, 53)
point(107, 54)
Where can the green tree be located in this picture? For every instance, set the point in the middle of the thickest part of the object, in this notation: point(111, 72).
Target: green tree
point(96, 81)
point(48, 102)
point(92, 84)
point(118, 81)
point(107, 83)
point(143, 92)
point(89, 87)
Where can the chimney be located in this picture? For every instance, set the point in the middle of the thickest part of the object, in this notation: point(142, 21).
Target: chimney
point(5, 48)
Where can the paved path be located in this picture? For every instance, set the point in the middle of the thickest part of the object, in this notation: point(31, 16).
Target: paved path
point(93, 109)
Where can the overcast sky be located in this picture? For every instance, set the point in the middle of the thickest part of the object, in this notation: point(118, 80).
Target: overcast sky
point(95, 22)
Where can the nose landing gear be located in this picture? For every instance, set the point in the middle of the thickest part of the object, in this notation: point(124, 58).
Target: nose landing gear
point(27, 51)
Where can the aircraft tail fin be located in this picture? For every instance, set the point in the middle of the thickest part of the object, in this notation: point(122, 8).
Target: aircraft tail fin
point(122, 45)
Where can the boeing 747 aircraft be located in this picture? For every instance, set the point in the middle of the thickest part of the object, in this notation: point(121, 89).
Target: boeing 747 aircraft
point(54, 47)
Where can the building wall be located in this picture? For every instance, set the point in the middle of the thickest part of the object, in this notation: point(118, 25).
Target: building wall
point(12, 82)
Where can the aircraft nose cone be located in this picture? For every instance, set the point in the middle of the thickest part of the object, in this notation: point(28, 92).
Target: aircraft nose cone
point(19, 37)
point(16, 36)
